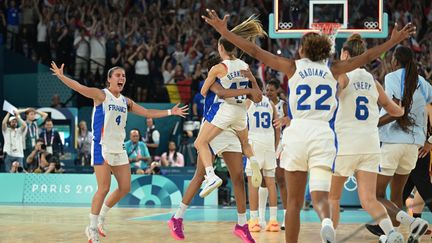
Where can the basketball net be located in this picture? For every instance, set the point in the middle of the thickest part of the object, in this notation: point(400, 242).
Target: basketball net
point(329, 29)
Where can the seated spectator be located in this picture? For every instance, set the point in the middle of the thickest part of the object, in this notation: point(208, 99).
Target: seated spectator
point(137, 152)
point(172, 158)
point(40, 161)
point(51, 138)
point(85, 138)
point(154, 169)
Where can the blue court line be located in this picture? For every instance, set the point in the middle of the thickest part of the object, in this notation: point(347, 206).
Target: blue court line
point(230, 214)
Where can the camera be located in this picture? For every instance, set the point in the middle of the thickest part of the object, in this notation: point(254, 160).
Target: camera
point(43, 147)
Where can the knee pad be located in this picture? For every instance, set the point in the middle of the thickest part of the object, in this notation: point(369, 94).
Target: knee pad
point(320, 179)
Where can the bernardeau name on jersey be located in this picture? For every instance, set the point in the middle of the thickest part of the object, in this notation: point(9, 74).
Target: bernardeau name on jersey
point(234, 74)
point(309, 72)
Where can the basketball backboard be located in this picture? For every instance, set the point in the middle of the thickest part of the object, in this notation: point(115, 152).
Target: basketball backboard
point(293, 18)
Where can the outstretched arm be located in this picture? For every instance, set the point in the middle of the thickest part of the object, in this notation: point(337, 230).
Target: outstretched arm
point(93, 93)
point(215, 71)
point(397, 36)
point(275, 62)
point(152, 113)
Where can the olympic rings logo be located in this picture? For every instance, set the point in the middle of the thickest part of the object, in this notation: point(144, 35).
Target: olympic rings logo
point(285, 25)
point(371, 24)
point(351, 187)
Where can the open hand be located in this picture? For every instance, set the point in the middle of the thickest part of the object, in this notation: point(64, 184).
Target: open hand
point(56, 70)
point(180, 111)
point(423, 151)
point(220, 25)
point(400, 35)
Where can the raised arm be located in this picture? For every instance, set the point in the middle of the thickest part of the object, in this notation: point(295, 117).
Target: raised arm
point(277, 130)
point(93, 93)
point(21, 123)
point(275, 62)
point(397, 36)
point(152, 113)
point(4, 122)
point(389, 105)
point(215, 72)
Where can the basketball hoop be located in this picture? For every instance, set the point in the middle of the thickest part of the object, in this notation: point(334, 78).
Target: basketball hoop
point(330, 29)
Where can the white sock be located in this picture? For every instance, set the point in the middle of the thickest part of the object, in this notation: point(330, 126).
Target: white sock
point(262, 202)
point(210, 171)
point(103, 212)
point(326, 221)
point(254, 214)
point(241, 219)
point(404, 218)
point(181, 210)
point(93, 220)
point(273, 213)
point(386, 225)
point(283, 221)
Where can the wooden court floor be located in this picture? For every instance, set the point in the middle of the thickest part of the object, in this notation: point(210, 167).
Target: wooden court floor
point(66, 224)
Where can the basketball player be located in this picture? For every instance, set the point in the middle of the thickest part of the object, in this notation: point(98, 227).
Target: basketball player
point(312, 105)
point(272, 90)
point(229, 112)
point(228, 145)
point(402, 137)
point(357, 133)
point(108, 153)
point(264, 139)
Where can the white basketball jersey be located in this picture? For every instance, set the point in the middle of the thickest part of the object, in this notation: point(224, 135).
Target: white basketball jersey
point(279, 108)
point(358, 114)
point(312, 92)
point(109, 122)
point(234, 79)
point(261, 129)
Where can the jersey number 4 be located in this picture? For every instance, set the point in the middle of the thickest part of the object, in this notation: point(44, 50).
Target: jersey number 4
point(305, 91)
point(118, 120)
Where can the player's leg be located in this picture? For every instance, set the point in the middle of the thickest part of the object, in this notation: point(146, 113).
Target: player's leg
point(263, 194)
point(207, 133)
point(337, 185)
point(295, 196)
point(253, 223)
point(256, 176)
point(235, 168)
point(366, 182)
point(269, 178)
point(103, 178)
point(176, 222)
point(280, 182)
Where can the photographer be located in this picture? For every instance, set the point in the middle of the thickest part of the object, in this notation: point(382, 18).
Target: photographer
point(39, 160)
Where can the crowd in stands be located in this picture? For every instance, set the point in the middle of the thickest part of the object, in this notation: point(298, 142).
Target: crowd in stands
point(159, 43)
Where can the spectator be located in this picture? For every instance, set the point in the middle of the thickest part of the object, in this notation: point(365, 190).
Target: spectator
point(142, 80)
point(33, 125)
point(198, 105)
point(167, 71)
point(98, 48)
point(42, 45)
point(13, 139)
point(3, 28)
point(12, 20)
point(56, 102)
point(40, 160)
point(51, 139)
point(84, 144)
point(81, 44)
point(172, 158)
point(137, 152)
point(152, 137)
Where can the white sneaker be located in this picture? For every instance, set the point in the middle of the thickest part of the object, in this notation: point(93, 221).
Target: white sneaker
point(211, 183)
point(417, 229)
point(92, 234)
point(383, 239)
point(394, 237)
point(256, 174)
point(328, 234)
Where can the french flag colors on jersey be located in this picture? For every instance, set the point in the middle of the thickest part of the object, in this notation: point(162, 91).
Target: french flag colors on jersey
point(108, 124)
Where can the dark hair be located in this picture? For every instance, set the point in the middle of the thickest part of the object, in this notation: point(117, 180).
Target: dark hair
point(48, 120)
point(40, 140)
point(274, 82)
point(249, 29)
point(175, 152)
point(316, 47)
point(355, 45)
point(405, 57)
point(212, 61)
